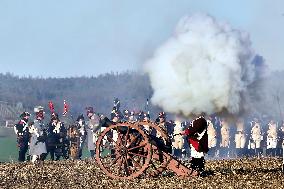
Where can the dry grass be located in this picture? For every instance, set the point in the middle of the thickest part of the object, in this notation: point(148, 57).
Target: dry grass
point(242, 173)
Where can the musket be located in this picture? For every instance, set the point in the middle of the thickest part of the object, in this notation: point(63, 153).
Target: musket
point(147, 107)
point(278, 102)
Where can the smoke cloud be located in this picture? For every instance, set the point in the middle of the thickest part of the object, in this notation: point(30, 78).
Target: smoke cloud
point(205, 67)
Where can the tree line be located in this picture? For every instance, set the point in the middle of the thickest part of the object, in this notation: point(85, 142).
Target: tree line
point(131, 88)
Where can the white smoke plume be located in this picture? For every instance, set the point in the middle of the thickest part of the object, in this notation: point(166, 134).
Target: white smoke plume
point(205, 67)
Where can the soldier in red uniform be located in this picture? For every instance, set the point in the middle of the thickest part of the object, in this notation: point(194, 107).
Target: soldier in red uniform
point(198, 141)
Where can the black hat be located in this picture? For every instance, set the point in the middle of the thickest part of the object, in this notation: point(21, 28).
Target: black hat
point(54, 116)
point(80, 117)
point(162, 114)
point(90, 110)
point(24, 114)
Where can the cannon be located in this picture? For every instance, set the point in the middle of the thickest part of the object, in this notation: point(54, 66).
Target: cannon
point(130, 150)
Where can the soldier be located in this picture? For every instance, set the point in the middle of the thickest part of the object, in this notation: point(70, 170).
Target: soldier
point(272, 138)
point(22, 131)
point(116, 104)
point(140, 116)
point(82, 133)
point(132, 117)
point(145, 118)
point(240, 137)
point(62, 146)
point(177, 140)
point(92, 128)
point(56, 138)
point(280, 139)
point(38, 136)
point(256, 138)
point(212, 137)
point(198, 140)
point(225, 137)
point(125, 115)
point(161, 122)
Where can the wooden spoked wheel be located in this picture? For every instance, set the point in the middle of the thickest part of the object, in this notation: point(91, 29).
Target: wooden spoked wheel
point(160, 143)
point(123, 151)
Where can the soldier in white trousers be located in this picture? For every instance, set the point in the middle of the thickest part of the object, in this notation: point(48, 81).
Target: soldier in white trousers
point(225, 138)
point(256, 138)
point(272, 138)
point(212, 137)
point(240, 137)
point(177, 140)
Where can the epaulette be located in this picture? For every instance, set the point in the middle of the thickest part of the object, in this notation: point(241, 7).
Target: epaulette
point(22, 122)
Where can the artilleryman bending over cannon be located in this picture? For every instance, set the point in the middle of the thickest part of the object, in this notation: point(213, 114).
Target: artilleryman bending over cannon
point(198, 142)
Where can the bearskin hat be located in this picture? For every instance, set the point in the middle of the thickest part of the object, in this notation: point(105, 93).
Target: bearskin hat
point(90, 110)
point(24, 114)
point(140, 113)
point(162, 115)
point(146, 116)
point(54, 116)
point(80, 117)
point(132, 113)
point(125, 112)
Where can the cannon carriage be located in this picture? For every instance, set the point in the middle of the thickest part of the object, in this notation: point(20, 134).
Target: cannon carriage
point(129, 150)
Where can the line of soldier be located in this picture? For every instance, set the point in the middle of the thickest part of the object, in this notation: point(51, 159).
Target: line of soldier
point(235, 139)
point(242, 138)
point(224, 139)
point(54, 138)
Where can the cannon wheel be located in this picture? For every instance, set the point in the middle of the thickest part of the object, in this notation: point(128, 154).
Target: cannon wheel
point(123, 151)
point(159, 162)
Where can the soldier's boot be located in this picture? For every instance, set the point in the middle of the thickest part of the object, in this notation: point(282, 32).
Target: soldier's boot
point(268, 152)
point(259, 152)
point(238, 152)
point(193, 163)
point(277, 153)
point(177, 153)
point(273, 152)
point(212, 152)
point(201, 166)
point(92, 152)
point(253, 152)
point(22, 154)
point(80, 153)
point(52, 155)
point(43, 156)
point(223, 152)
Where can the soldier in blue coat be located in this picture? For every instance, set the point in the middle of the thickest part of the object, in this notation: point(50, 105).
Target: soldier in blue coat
point(22, 131)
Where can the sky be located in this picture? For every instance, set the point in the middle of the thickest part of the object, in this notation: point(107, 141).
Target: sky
point(69, 38)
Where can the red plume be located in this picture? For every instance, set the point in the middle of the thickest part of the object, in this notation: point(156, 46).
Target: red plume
point(66, 107)
point(51, 106)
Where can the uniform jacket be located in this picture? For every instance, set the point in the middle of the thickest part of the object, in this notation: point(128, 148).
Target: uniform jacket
point(197, 135)
point(22, 131)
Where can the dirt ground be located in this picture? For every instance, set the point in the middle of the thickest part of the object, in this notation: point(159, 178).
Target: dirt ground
point(240, 173)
